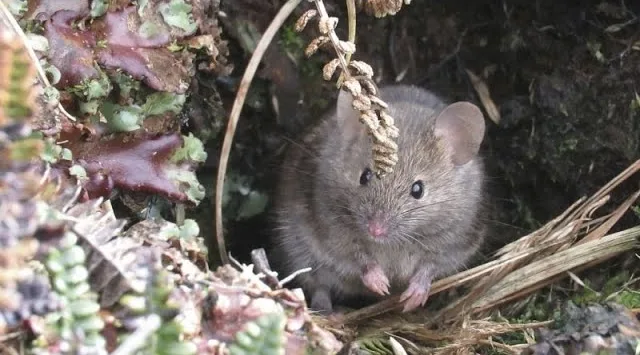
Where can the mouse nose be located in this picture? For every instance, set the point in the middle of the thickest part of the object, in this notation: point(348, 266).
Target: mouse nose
point(377, 228)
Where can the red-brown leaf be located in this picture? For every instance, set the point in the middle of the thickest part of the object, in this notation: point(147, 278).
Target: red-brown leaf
point(71, 50)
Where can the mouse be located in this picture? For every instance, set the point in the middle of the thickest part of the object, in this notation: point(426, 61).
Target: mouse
point(365, 236)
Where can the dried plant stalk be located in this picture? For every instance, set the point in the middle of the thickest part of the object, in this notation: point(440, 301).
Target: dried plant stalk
point(357, 78)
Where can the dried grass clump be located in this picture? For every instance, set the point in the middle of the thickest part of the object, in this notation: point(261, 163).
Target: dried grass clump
point(382, 8)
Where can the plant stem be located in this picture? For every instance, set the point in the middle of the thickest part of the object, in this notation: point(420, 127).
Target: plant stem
point(241, 95)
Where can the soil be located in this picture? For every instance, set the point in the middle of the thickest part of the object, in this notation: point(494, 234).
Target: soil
point(564, 76)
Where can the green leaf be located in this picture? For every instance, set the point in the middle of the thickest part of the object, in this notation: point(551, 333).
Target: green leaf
point(51, 95)
point(91, 324)
point(17, 7)
point(95, 340)
point(78, 171)
point(142, 4)
point(54, 263)
point(149, 29)
point(126, 84)
point(177, 13)
point(189, 229)
point(188, 183)
point(73, 256)
point(134, 302)
point(161, 102)
point(122, 118)
point(98, 8)
point(89, 107)
point(51, 152)
point(84, 307)
point(78, 290)
point(95, 88)
point(76, 274)
point(264, 336)
point(192, 149)
point(171, 231)
point(66, 154)
point(178, 348)
point(253, 204)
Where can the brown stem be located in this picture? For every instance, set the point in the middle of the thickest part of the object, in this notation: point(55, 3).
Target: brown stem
point(241, 95)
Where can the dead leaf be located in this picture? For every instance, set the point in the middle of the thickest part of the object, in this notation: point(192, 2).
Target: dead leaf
point(485, 97)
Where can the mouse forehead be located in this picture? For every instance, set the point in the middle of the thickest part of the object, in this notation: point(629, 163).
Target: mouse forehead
point(420, 154)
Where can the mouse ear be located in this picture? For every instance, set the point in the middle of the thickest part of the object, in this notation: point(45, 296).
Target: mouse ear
point(347, 116)
point(461, 125)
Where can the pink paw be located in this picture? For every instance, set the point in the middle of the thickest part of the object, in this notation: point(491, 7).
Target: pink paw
point(415, 296)
point(417, 293)
point(375, 280)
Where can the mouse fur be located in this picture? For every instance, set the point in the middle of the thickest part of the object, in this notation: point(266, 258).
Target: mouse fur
point(322, 210)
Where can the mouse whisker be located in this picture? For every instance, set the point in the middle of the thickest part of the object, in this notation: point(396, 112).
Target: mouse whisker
point(334, 183)
point(302, 147)
point(409, 238)
point(404, 212)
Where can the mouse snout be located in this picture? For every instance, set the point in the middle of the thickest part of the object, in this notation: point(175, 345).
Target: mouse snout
point(377, 225)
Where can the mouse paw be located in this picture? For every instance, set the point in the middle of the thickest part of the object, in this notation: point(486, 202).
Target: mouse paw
point(417, 293)
point(375, 279)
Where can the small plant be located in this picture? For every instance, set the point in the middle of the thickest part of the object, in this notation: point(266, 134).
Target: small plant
point(264, 336)
point(77, 323)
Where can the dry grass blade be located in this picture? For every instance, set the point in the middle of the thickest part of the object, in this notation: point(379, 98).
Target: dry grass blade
point(465, 335)
point(8, 19)
point(540, 273)
point(549, 252)
point(243, 89)
point(485, 97)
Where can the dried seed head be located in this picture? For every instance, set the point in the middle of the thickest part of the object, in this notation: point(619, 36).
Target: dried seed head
point(353, 86)
point(386, 119)
point(369, 119)
point(380, 138)
point(315, 45)
point(382, 8)
point(330, 68)
point(362, 103)
point(327, 24)
point(369, 86)
point(347, 47)
point(304, 19)
point(384, 163)
point(378, 101)
point(362, 68)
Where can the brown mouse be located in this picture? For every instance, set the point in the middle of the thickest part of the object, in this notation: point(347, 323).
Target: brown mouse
point(366, 236)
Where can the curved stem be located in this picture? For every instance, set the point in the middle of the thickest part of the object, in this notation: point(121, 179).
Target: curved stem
point(241, 95)
point(351, 13)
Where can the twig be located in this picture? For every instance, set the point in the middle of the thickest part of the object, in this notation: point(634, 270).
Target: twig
point(293, 275)
point(351, 15)
point(241, 95)
point(32, 55)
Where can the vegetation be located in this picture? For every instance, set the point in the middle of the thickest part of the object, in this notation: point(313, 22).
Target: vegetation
point(112, 116)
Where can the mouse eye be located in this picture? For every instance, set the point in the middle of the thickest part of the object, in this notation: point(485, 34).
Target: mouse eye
point(417, 189)
point(366, 176)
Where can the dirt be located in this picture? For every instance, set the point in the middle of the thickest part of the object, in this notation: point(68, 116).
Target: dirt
point(563, 76)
